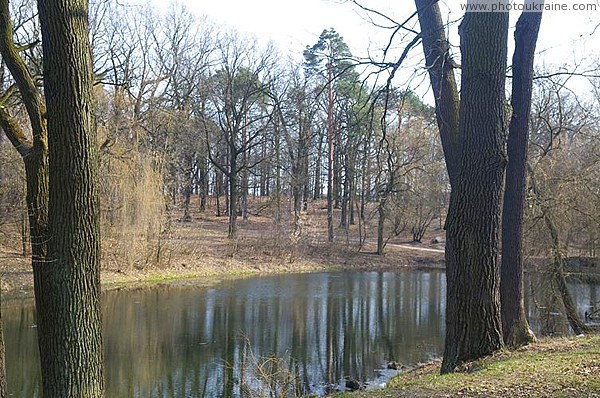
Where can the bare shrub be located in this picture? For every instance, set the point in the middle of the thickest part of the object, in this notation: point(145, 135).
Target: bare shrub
point(267, 376)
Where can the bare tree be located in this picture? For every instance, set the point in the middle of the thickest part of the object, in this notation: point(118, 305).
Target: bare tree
point(295, 110)
point(562, 206)
point(239, 89)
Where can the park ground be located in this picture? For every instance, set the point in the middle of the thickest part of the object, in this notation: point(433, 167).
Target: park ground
point(551, 367)
point(199, 248)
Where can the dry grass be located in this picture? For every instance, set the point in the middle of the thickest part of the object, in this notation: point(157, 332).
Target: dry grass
point(141, 242)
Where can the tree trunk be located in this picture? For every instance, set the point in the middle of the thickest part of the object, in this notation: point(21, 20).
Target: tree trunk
point(277, 214)
point(244, 195)
point(351, 204)
point(337, 171)
point(514, 320)
point(441, 66)
point(380, 227)
point(578, 326)
point(233, 198)
point(68, 285)
point(244, 177)
point(188, 178)
point(34, 154)
point(473, 324)
point(24, 233)
point(318, 162)
point(345, 200)
point(187, 197)
point(202, 183)
point(303, 153)
point(218, 190)
point(330, 157)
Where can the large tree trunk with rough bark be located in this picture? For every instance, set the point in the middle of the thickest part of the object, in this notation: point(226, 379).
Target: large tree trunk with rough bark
point(68, 284)
point(514, 320)
point(473, 324)
point(441, 66)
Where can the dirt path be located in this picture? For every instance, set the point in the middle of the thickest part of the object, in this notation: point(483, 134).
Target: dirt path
point(422, 249)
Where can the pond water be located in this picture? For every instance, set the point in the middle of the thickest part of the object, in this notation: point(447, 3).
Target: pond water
point(245, 336)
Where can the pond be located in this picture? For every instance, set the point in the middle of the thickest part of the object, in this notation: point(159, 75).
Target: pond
point(309, 332)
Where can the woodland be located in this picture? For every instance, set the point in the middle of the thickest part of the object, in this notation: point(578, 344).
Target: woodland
point(132, 139)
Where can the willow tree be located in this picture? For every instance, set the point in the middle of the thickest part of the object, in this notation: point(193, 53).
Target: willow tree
point(67, 286)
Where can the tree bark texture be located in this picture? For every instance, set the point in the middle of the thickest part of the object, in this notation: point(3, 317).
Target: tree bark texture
point(473, 323)
point(514, 320)
point(68, 284)
point(441, 66)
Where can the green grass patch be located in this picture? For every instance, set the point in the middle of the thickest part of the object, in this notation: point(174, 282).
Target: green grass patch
point(560, 367)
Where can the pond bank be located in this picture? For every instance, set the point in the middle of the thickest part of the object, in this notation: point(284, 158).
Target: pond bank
point(551, 367)
point(248, 257)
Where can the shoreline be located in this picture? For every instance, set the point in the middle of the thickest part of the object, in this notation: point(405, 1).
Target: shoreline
point(17, 279)
point(17, 276)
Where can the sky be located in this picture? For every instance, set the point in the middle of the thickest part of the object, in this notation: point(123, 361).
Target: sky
point(567, 38)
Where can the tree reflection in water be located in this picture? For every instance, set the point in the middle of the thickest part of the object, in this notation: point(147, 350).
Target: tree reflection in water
point(190, 340)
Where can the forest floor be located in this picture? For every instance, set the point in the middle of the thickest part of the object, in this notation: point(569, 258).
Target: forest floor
point(551, 367)
point(200, 249)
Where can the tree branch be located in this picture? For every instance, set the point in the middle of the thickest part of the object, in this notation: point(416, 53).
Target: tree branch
point(32, 98)
point(14, 133)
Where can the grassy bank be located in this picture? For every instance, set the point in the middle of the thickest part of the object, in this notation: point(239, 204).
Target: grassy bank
point(558, 367)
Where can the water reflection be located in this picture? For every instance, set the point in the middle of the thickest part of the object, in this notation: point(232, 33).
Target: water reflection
point(545, 308)
point(197, 341)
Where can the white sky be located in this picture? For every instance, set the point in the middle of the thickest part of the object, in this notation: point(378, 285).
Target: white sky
point(566, 37)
